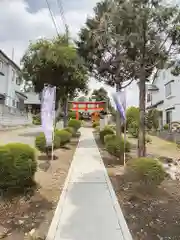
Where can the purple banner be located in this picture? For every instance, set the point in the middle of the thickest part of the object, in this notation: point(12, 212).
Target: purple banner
point(120, 101)
point(48, 113)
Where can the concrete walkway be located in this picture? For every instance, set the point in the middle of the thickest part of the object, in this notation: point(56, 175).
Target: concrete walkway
point(88, 208)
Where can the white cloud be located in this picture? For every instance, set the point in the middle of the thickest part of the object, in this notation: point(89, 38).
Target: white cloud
point(18, 27)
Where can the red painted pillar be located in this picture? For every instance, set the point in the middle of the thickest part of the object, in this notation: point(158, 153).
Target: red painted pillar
point(77, 113)
point(86, 107)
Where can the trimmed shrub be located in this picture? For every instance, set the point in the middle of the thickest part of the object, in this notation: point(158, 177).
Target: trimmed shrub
point(17, 165)
point(95, 124)
point(72, 115)
point(106, 131)
point(37, 119)
point(64, 136)
point(134, 129)
point(166, 127)
point(97, 129)
point(115, 145)
point(70, 130)
point(76, 124)
point(147, 171)
point(109, 137)
point(40, 142)
point(148, 139)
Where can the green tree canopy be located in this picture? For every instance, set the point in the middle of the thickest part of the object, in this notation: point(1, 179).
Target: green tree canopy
point(55, 62)
point(128, 40)
point(100, 94)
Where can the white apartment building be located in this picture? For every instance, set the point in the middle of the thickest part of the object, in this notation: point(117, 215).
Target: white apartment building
point(164, 95)
point(10, 84)
point(12, 106)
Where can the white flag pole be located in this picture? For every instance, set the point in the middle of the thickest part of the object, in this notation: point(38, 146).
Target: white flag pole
point(124, 143)
point(54, 119)
point(125, 128)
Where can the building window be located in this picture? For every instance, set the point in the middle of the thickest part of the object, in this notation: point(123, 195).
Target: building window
point(13, 75)
point(168, 89)
point(1, 66)
point(149, 97)
point(14, 103)
point(18, 80)
point(168, 117)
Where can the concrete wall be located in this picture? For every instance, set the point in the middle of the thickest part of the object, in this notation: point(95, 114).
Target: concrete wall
point(168, 136)
point(13, 117)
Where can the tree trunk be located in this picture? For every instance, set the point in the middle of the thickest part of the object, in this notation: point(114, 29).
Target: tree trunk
point(142, 99)
point(65, 117)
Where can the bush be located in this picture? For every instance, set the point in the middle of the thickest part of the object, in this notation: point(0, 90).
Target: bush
point(70, 130)
point(115, 146)
point(148, 139)
point(106, 131)
point(18, 165)
point(132, 115)
point(76, 124)
point(64, 136)
point(134, 129)
point(109, 137)
point(37, 119)
point(72, 115)
point(166, 127)
point(40, 142)
point(147, 171)
point(97, 129)
point(95, 124)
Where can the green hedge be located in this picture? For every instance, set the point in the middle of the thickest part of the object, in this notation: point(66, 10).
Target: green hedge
point(76, 124)
point(61, 137)
point(37, 119)
point(64, 136)
point(109, 137)
point(95, 124)
point(106, 131)
point(72, 115)
point(115, 145)
point(40, 142)
point(133, 129)
point(147, 171)
point(71, 130)
point(17, 165)
point(166, 126)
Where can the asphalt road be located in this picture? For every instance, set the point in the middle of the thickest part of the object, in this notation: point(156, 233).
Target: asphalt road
point(23, 135)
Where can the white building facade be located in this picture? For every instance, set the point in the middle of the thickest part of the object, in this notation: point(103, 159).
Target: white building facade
point(12, 108)
point(164, 95)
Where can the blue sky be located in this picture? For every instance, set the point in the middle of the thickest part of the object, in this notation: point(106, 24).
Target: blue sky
point(27, 20)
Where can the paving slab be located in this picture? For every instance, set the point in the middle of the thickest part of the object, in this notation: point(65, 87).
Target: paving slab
point(88, 208)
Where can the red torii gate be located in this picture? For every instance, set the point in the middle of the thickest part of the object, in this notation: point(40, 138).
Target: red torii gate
point(86, 106)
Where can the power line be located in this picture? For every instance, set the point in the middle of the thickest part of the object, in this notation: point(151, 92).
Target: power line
point(61, 10)
point(52, 17)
